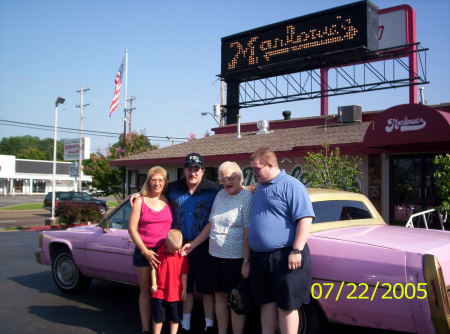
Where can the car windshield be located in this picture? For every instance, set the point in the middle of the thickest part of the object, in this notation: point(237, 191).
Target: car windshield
point(330, 211)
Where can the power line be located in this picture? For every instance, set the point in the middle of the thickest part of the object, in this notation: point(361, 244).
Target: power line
point(72, 130)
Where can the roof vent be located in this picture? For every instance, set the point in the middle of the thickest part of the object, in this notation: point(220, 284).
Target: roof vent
point(286, 115)
point(263, 127)
point(350, 114)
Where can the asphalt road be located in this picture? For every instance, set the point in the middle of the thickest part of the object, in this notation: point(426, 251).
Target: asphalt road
point(24, 218)
point(20, 199)
point(31, 303)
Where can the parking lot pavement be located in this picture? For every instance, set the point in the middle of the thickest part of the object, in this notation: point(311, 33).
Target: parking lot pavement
point(9, 200)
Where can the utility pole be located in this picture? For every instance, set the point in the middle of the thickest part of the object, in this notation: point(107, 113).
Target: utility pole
point(80, 159)
point(130, 110)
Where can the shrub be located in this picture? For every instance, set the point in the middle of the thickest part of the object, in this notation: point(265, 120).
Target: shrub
point(331, 170)
point(70, 212)
point(442, 177)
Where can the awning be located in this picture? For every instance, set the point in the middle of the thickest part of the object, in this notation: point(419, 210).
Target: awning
point(412, 125)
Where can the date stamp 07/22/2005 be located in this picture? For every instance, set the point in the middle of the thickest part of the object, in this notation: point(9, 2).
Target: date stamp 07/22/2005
point(363, 291)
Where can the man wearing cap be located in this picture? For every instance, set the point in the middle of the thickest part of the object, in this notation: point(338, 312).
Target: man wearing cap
point(192, 198)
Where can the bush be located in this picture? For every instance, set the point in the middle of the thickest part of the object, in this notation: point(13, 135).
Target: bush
point(331, 170)
point(442, 177)
point(70, 212)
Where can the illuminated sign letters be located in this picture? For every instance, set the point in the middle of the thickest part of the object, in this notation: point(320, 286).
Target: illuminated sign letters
point(287, 46)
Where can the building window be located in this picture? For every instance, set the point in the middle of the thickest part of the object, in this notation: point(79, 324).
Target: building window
point(38, 186)
point(18, 186)
point(133, 185)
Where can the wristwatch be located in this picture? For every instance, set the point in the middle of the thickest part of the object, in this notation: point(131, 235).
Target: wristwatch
point(296, 251)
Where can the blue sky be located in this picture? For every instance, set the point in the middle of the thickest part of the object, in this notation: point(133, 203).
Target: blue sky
point(50, 48)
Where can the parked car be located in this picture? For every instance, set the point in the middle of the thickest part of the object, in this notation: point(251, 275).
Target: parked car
point(74, 196)
point(365, 273)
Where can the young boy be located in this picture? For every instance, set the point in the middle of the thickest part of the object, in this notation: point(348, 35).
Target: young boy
point(169, 283)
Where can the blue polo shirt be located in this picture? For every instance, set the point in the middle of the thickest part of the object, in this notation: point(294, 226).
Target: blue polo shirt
point(276, 207)
point(191, 212)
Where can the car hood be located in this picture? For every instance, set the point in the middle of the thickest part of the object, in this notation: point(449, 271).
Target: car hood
point(413, 240)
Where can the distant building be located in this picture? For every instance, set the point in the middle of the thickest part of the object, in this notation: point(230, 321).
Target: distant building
point(396, 145)
point(30, 177)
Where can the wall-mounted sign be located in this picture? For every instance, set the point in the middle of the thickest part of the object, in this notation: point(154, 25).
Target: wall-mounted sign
point(72, 148)
point(288, 46)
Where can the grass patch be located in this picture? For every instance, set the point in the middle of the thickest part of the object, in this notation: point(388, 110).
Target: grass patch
point(30, 206)
point(112, 204)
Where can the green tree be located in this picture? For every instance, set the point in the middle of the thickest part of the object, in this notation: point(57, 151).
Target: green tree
point(27, 147)
point(108, 179)
point(31, 153)
point(134, 143)
point(329, 169)
point(442, 177)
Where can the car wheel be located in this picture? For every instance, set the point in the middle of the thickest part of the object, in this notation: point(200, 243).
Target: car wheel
point(312, 319)
point(102, 210)
point(66, 274)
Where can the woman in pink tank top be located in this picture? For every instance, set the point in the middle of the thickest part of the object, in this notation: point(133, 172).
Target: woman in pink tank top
point(150, 220)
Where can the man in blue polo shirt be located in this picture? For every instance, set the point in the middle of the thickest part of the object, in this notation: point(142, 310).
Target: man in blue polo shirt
point(280, 266)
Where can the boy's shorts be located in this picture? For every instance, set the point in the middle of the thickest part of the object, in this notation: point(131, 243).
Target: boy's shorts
point(163, 310)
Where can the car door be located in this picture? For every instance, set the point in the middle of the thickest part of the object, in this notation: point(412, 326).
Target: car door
point(109, 252)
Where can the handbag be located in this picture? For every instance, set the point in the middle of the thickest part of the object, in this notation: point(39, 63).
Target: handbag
point(240, 298)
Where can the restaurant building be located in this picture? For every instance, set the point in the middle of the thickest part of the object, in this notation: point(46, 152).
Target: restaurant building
point(396, 145)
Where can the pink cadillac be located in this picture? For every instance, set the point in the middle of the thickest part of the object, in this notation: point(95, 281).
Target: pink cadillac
point(365, 273)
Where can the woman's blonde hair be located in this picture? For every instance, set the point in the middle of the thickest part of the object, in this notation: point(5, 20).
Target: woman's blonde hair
point(145, 191)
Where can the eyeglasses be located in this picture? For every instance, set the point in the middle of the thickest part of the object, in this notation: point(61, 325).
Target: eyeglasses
point(258, 169)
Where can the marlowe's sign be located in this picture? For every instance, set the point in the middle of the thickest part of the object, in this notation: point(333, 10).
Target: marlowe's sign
point(72, 148)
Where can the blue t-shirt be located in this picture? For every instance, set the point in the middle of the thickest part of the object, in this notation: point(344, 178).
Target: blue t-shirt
point(191, 212)
point(276, 207)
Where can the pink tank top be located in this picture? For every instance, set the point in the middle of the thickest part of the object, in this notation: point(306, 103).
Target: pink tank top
point(154, 225)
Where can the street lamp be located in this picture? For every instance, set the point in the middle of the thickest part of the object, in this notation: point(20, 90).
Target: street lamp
point(59, 100)
point(206, 113)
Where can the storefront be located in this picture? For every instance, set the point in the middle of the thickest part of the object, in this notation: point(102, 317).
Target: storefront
point(34, 177)
point(396, 147)
point(410, 136)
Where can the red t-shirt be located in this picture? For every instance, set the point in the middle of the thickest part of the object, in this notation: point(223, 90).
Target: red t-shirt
point(170, 269)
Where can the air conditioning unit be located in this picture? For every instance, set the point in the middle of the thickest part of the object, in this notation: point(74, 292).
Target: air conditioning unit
point(350, 114)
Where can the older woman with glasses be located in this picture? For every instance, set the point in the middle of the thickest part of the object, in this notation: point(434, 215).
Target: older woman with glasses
point(228, 245)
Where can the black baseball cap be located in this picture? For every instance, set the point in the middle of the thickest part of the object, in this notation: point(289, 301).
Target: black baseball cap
point(193, 160)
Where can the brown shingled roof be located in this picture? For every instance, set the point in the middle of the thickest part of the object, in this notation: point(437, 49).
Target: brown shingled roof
point(280, 140)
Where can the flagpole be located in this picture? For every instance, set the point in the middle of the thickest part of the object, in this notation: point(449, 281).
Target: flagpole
point(125, 122)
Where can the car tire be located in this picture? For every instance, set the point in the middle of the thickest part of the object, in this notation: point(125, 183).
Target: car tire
point(66, 274)
point(312, 319)
point(102, 210)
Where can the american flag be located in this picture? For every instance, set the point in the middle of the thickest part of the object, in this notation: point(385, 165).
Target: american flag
point(117, 85)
